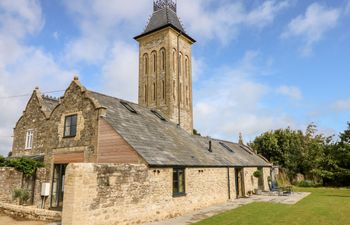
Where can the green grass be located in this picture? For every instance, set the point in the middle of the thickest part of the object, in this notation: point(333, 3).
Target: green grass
point(325, 206)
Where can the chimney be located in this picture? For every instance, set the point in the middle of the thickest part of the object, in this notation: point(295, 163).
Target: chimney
point(210, 148)
point(240, 141)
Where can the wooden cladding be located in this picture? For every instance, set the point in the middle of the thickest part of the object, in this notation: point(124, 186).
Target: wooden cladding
point(112, 148)
point(71, 157)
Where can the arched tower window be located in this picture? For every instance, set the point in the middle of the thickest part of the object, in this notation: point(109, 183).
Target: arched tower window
point(145, 62)
point(163, 59)
point(186, 67)
point(163, 88)
point(187, 95)
point(174, 93)
point(154, 62)
point(154, 92)
point(180, 66)
point(145, 93)
point(174, 60)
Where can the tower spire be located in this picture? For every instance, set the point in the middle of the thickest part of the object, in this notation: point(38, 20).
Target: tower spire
point(161, 4)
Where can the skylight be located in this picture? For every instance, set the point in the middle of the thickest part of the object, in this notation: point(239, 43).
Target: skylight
point(158, 114)
point(128, 107)
point(225, 146)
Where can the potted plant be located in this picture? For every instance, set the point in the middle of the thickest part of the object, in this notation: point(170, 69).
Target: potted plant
point(258, 174)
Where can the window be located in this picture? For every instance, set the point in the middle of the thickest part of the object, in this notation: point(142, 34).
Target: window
point(174, 60)
point(178, 182)
point(174, 90)
point(145, 63)
point(163, 59)
point(154, 62)
point(145, 94)
point(186, 67)
point(163, 88)
point(29, 139)
point(180, 94)
point(186, 95)
point(154, 92)
point(128, 107)
point(158, 115)
point(225, 146)
point(70, 126)
point(180, 65)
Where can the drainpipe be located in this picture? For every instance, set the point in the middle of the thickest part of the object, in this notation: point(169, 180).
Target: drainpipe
point(228, 183)
point(178, 77)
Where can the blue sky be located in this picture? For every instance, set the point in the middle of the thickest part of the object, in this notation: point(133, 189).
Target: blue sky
point(257, 65)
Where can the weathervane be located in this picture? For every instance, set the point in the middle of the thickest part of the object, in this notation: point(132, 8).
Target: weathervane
point(161, 4)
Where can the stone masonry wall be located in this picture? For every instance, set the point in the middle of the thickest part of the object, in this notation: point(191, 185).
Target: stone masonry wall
point(103, 194)
point(250, 182)
point(10, 179)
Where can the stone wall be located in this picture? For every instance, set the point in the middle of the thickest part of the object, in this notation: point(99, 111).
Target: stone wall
point(267, 174)
point(102, 194)
point(250, 182)
point(27, 212)
point(10, 179)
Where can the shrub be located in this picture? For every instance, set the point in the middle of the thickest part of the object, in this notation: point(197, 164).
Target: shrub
point(25, 165)
point(21, 194)
point(257, 174)
point(308, 183)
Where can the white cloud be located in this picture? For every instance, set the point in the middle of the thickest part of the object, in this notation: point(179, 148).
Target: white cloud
point(313, 25)
point(290, 91)
point(120, 72)
point(224, 22)
point(22, 67)
point(341, 105)
point(231, 102)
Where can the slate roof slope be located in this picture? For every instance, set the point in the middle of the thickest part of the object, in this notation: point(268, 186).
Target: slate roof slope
point(49, 103)
point(162, 143)
point(163, 18)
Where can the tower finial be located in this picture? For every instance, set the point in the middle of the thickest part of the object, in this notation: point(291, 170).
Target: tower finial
point(240, 141)
point(161, 4)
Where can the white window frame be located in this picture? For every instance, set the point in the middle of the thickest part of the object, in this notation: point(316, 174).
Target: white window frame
point(29, 139)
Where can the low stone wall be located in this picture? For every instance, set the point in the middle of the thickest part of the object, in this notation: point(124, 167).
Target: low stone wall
point(10, 179)
point(104, 194)
point(28, 212)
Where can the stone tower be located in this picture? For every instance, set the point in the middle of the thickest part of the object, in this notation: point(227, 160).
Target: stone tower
point(165, 65)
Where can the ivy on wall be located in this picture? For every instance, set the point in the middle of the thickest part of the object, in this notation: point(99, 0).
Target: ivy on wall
point(25, 165)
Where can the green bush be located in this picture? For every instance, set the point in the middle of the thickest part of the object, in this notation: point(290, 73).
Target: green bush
point(22, 194)
point(25, 165)
point(257, 174)
point(308, 183)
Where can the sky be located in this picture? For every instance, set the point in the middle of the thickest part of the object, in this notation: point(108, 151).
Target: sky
point(257, 65)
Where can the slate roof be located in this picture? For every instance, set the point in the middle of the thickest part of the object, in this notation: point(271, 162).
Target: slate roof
point(163, 143)
point(163, 18)
point(49, 103)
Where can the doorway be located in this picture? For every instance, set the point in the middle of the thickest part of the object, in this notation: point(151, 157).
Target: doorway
point(261, 179)
point(57, 190)
point(239, 181)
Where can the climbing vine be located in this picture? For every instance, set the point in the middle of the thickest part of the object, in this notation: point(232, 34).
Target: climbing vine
point(25, 165)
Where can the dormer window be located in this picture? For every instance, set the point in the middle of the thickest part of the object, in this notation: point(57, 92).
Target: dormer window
point(70, 126)
point(29, 139)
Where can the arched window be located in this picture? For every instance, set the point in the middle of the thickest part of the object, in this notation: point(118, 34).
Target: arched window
point(180, 94)
point(187, 94)
point(163, 88)
point(174, 60)
point(163, 63)
point(154, 92)
point(186, 67)
point(174, 90)
point(180, 66)
point(145, 94)
point(145, 66)
point(154, 62)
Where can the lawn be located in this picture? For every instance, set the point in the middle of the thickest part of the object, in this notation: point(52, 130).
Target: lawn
point(325, 206)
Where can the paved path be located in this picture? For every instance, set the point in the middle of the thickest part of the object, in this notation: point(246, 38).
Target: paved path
point(7, 220)
point(214, 210)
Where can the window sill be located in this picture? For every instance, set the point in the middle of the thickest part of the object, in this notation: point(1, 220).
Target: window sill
point(70, 136)
point(176, 195)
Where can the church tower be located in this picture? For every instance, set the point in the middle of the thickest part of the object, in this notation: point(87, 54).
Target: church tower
point(165, 65)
